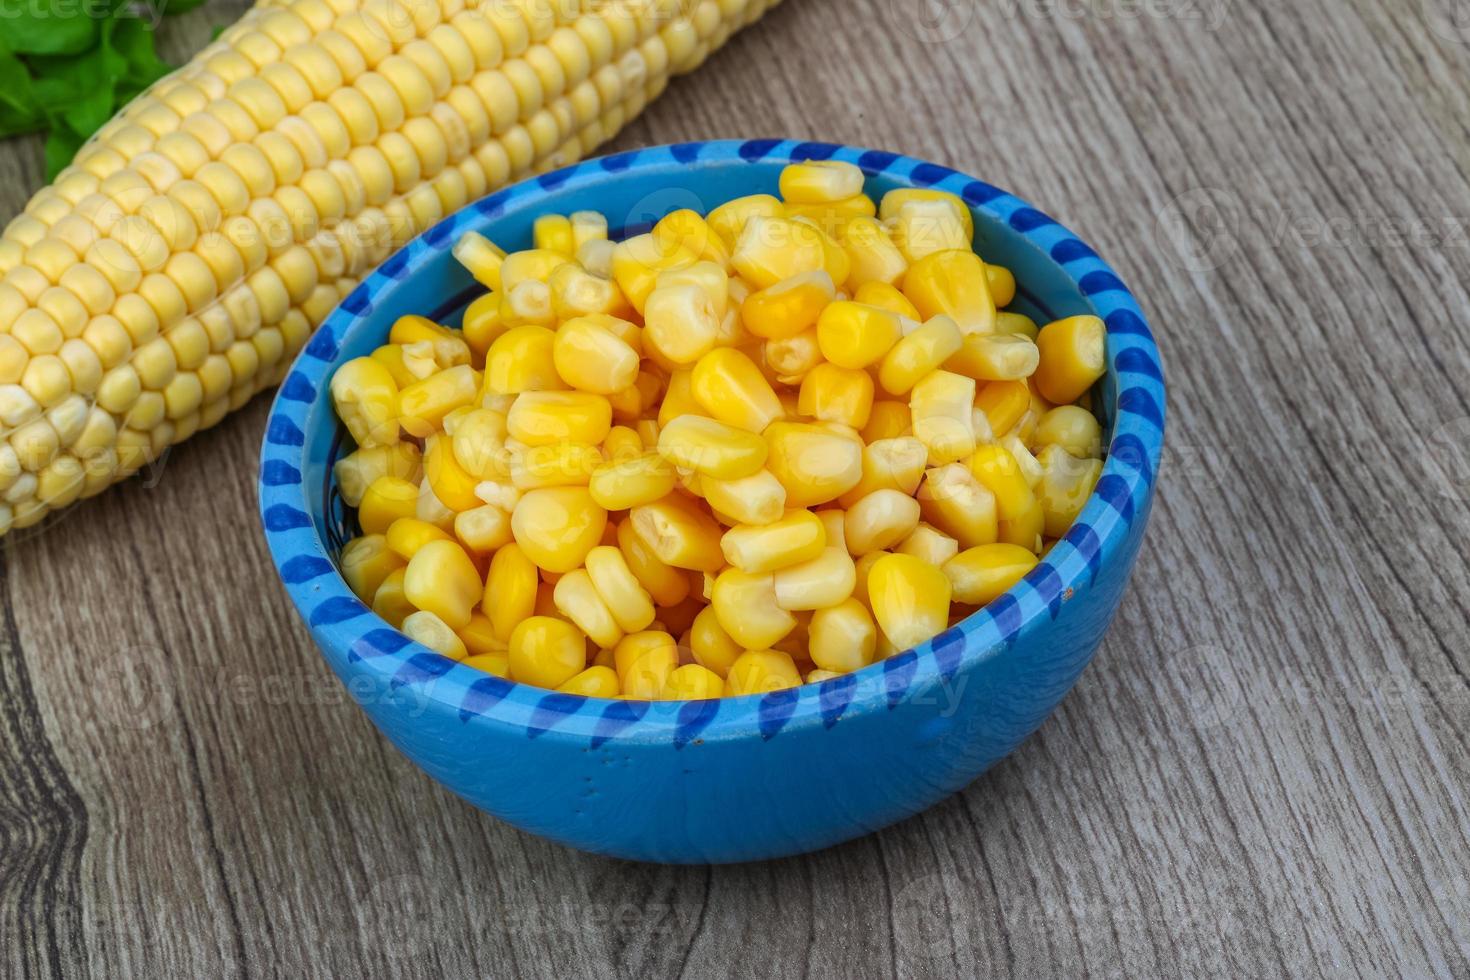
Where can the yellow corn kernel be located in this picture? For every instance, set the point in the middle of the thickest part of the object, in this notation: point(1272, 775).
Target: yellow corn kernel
point(443, 580)
point(952, 283)
point(391, 356)
point(366, 562)
point(834, 260)
point(889, 464)
point(995, 357)
point(1030, 468)
point(820, 181)
point(529, 265)
point(553, 233)
point(916, 355)
point(423, 404)
point(557, 526)
point(831, 216)
point(833, 521)
point(644, 662)
point(482, 257)
point(624, 484)
point(996, 470)
point(880, 520)
point(761, 672)
point(788, 307)
point(729, 219)
point(479, 637)
point(853, 335)
point(562, 464)
point(680, 322)
point(637, 262)
point(591, 358)
point(578, 600)
point(894, 200)
point(366, 399)
point(433, 510)
point(887, 297)
point(791, 358)
point(546, 652)
point(386, 500)
point(815, 464)
point(576, 292)
point(454, 487)
point(842, 638)
point(816, 583)
point(483, 529)
point(679, 534)
point(924, 228)
point(746, 608)
point(407, 535)
point(979, 575)
point(1066, 483)
point(1002, 283)
point(527, 303)
point(929, 544)
point(837, 394)
point(481, 325)
point(887, 420)
point(692, 682)
point(425, 628)
point(622, 443)
point(627, 600)
point(1074, 429)
point(389, 602)
point(594, 682)
point(449, 347)
point(678, 400)
point(711, 447)
point(1025, 530)
point(730, 388)
point(952, 500)
point(1073, 356)
point(910, 599)
point(547, 418)
point(1018, 324)
point(587, 226)
point(941, 407)
point(756, 499)
point(797, 537)
point(1004, 403)
point(510, 590)
point(685, 229)
point(478, 442)
point(711, 646)
point(667, 585)
point(522, 359)
point(873, 257)
point(772, 249)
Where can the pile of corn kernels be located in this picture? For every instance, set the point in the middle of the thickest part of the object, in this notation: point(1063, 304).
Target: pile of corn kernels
point(765, 446)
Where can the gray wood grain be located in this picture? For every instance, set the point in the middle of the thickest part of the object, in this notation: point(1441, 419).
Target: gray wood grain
point(1265, 770)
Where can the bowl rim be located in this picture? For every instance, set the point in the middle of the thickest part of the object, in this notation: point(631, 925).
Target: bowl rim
point(353, 638)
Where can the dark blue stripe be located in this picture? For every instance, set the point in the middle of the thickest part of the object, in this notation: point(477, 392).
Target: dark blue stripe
point(421, 667)
point(833, 696)
point(753, 150)
point(775, 711)
point(694, 717)
point(1071, 250)
point(813, 151)
point(1029, 219)
point(274, 473)
point(1101, 282)
point(283, 432)
point(337, 609)
point(297, 389)
point(686, 152)
point(618, 716)
point(876, 161)
point(304, 568)
point(280, 517)
point(483, 695)
point(898, 674)
point(926, 174)
point(552, 710)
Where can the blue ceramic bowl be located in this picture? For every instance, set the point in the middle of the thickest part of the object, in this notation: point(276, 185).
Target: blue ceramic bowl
point(748, 777)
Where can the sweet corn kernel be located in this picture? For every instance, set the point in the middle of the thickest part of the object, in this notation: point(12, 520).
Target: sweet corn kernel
point(853, 335)
point(678, 534)
point(928, 544)
point(479, 447)
point(952, 283)
point(996, 470)
point(791, 358)
point(924, 228)
point(553, 233)
point(546, 652)
point(887, 420)
point(389, 602)
point(578, 600)
point(909, 598)
point(979, 575)
point(386, 500)
point(756, 499)
point(482, 257)
point(1066, 483)
point(941, 405)
point(1030, 467)
point(842, 638)
point(594, 682)
point(916, 355)
point(407, 535)
point(510, 590)
point(366, 562)
point(1073, 355)
point(770, 249)
point(562, 464)
point(837, 394)
point(1002, 283)
point(624, 484)
point(730, 388)
point(423, 404)
point(693, 682)
point(479, 637)
point(788, 307)
point(955, 502)
point(592, 358)
point(452, 485)
point(366, 399)
point(483, 529)
point(557, 526)
point(995, 357)
point(880, 520)
point(797, 537)
point(522, 359)
point(637, 262)
point(628, 602)
point(1018, 324)
point(761, 671)
point(729, 219)
point(429, 630)
point(872, 254)
point(711, 646)
point(820, 181)
point(443, 580)
point(1072, 428)
point(817, 583)
point(668, 585)
point(681, 322)
point(814, 464)
point(645, 662)
point(746, 608)
point(893, 202)
point(711, 447)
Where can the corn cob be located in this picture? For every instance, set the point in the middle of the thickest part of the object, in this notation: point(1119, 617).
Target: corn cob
point(180, 262)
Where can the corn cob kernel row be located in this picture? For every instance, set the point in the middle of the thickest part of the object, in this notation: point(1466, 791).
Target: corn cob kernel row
point(182, 260)
point(767, 445)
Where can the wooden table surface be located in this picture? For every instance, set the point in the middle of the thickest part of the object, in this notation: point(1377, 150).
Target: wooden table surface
point(1263, 772)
